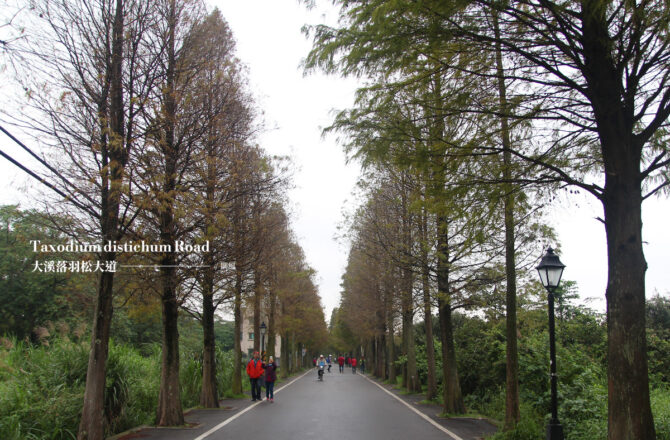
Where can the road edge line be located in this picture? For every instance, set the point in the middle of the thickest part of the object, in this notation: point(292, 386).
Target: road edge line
point(419, 413)
point(230, 419)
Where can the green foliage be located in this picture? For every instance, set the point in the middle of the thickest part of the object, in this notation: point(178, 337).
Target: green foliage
point(658, 339)
point(529, 428)
point(481, 366)
point(31, 298)
point(582, 386)
point(660, 406)
point(42, 395)
point(42, 387)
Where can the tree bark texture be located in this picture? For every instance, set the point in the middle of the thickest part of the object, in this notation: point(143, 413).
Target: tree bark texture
point(91, 425)
point(512, 411)
point(237, 349)
point(92, 422)
point(413, 384)
point(431, 388)
point(453, 399)
point(272, 324)
point(169, 412)
point(390, 343)
point(629, 408)
point(209, 397)
point(257, 308)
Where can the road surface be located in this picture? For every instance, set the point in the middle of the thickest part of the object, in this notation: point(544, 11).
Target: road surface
point(343, 406)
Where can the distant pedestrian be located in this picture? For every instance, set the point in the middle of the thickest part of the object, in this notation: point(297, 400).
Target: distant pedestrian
point(348, 361)
point(362, 364)
point(270, 378)
point(320, 365)
point(255, 371)
point(340, 362)
point(353, 365)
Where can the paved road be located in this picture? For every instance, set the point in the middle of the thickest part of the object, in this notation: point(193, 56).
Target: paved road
point(343, 406)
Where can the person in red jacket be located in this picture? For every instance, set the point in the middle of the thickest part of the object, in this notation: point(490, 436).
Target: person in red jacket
point(340, 361)
point(255, 371)
point(353, 365)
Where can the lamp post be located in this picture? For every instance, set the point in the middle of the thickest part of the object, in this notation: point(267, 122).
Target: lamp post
point(263, 329)
point(550, 270)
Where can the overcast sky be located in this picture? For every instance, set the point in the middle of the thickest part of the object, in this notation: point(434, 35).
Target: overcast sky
point(270, 43)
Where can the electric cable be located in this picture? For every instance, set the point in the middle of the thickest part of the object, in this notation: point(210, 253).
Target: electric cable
point(43, 162)
point(44, 182)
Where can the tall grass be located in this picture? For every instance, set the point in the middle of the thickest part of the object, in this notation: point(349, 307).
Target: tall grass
point(42, 387)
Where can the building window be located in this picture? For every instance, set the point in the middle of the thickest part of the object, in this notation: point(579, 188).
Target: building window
point(251, 336)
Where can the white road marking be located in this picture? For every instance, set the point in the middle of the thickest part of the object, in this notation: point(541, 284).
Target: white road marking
point(422, 415)
point(227, 421)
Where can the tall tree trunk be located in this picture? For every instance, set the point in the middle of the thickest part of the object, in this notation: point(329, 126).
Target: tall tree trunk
point(412, 384)
point(629, 408)
point(390, 357)
point(272, 331)
point(512, 412)
point(285, 355)
point(257, 308)
point(92, 423)
point(209, 397)
point(297, 362)
point(453, 399)
point(405, 343)
point(431, 389)
point(237, 349)
point(383, 356)
point(169, 412)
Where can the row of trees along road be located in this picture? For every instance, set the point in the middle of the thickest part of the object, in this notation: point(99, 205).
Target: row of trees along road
point(147, 115)
point(487, 105)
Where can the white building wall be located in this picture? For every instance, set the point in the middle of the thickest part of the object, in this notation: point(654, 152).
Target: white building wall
point(247, 336)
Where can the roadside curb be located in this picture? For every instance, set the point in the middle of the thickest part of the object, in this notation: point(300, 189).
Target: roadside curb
point(464, 428)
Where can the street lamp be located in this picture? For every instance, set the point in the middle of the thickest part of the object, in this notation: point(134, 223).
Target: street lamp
point(550, 270)
point(263, 329)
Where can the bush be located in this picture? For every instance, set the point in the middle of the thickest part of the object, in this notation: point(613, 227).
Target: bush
point(530, 427)
point(42, 387)
point(43, 395)
point(660, 406)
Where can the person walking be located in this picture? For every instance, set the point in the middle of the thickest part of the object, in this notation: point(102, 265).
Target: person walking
point(353, 365)
point(362, 364)
point(340, 362)
point(270, 378)
point(255, 371)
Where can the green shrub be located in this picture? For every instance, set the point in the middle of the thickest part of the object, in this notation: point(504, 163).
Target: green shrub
point(660, 406)
point(531, 427)
point(42, 399)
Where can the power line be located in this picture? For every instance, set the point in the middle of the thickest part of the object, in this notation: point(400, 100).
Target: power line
point(43, 162)
point(44, 182)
